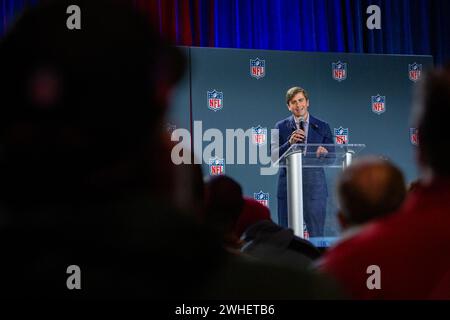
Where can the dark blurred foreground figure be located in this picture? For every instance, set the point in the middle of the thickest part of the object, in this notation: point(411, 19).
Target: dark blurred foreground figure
point(410, 246)
point(86, 176)
point(223, 205)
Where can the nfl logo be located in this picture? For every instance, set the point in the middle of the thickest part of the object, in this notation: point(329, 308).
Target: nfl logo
point(378, 104)
point(257, 68)
point(259, 135)
point(414, 136)
point(262, 198)
point(339, 70)
point(215, 100)
point(414, 71)
point(341, 135)
point(216, 166)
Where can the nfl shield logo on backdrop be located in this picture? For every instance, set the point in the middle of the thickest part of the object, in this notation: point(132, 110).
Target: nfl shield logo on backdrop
point(339, 70)
point(215, 100)
point(262, 198)
point(257, 68)
point(414, 136)
point(378, 104)
point(259, 135)
point(216, 166)
point(341, 135)
point(414, 71)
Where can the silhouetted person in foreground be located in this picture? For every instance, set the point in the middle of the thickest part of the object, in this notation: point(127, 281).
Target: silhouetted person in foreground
point(369, 189)
point(86, 176)
point(407, 250)
point(223, 205)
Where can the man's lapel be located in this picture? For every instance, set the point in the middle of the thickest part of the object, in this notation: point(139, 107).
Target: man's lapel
point(292, 123)
point(311, 132)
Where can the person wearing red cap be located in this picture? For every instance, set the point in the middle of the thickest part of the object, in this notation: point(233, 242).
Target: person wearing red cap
point(252, 212)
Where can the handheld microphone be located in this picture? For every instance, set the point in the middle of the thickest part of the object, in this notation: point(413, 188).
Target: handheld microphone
point(301, 127)
point(302, 124)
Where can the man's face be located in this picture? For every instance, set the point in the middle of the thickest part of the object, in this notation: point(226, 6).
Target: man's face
point(298, 105)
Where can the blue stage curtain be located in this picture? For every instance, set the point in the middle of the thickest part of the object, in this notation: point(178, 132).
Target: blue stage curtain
point(408, 26)
point(10, 9)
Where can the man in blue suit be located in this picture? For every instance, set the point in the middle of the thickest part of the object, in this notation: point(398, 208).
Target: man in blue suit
point(301, 127)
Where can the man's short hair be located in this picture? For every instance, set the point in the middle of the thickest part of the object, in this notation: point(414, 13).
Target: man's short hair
point(293, 91)
point(370, 188)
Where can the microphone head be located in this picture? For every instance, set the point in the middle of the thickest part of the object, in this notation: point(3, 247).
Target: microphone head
point(302, 123)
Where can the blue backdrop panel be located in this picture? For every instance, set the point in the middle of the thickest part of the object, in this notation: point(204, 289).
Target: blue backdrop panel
point(249, 102)
point(179, 111)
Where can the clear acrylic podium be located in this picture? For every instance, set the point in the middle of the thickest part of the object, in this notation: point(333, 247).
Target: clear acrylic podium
point(301, 156)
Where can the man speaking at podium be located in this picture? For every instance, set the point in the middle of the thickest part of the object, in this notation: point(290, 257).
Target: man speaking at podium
point(301, 127)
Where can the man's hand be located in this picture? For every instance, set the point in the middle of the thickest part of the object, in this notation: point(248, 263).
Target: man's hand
point(298, 136)
point(321, 151)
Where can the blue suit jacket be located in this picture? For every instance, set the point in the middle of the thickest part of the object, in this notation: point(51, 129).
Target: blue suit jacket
point(314, 182)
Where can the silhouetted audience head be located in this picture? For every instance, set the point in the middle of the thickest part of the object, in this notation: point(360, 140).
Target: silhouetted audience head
point(82, 109)
point(368, 189)
point(85, 171)
point(252, 212)
point(223, 205)
point(431, 114)
point(189, 191)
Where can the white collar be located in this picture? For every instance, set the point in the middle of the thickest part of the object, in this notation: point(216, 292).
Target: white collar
point(297, 120)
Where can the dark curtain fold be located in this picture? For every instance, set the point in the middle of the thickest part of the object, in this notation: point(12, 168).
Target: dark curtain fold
point(10, 9)
point(408, 26)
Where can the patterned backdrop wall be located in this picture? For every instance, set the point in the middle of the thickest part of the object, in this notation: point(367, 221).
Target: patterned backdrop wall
point(366, 99)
